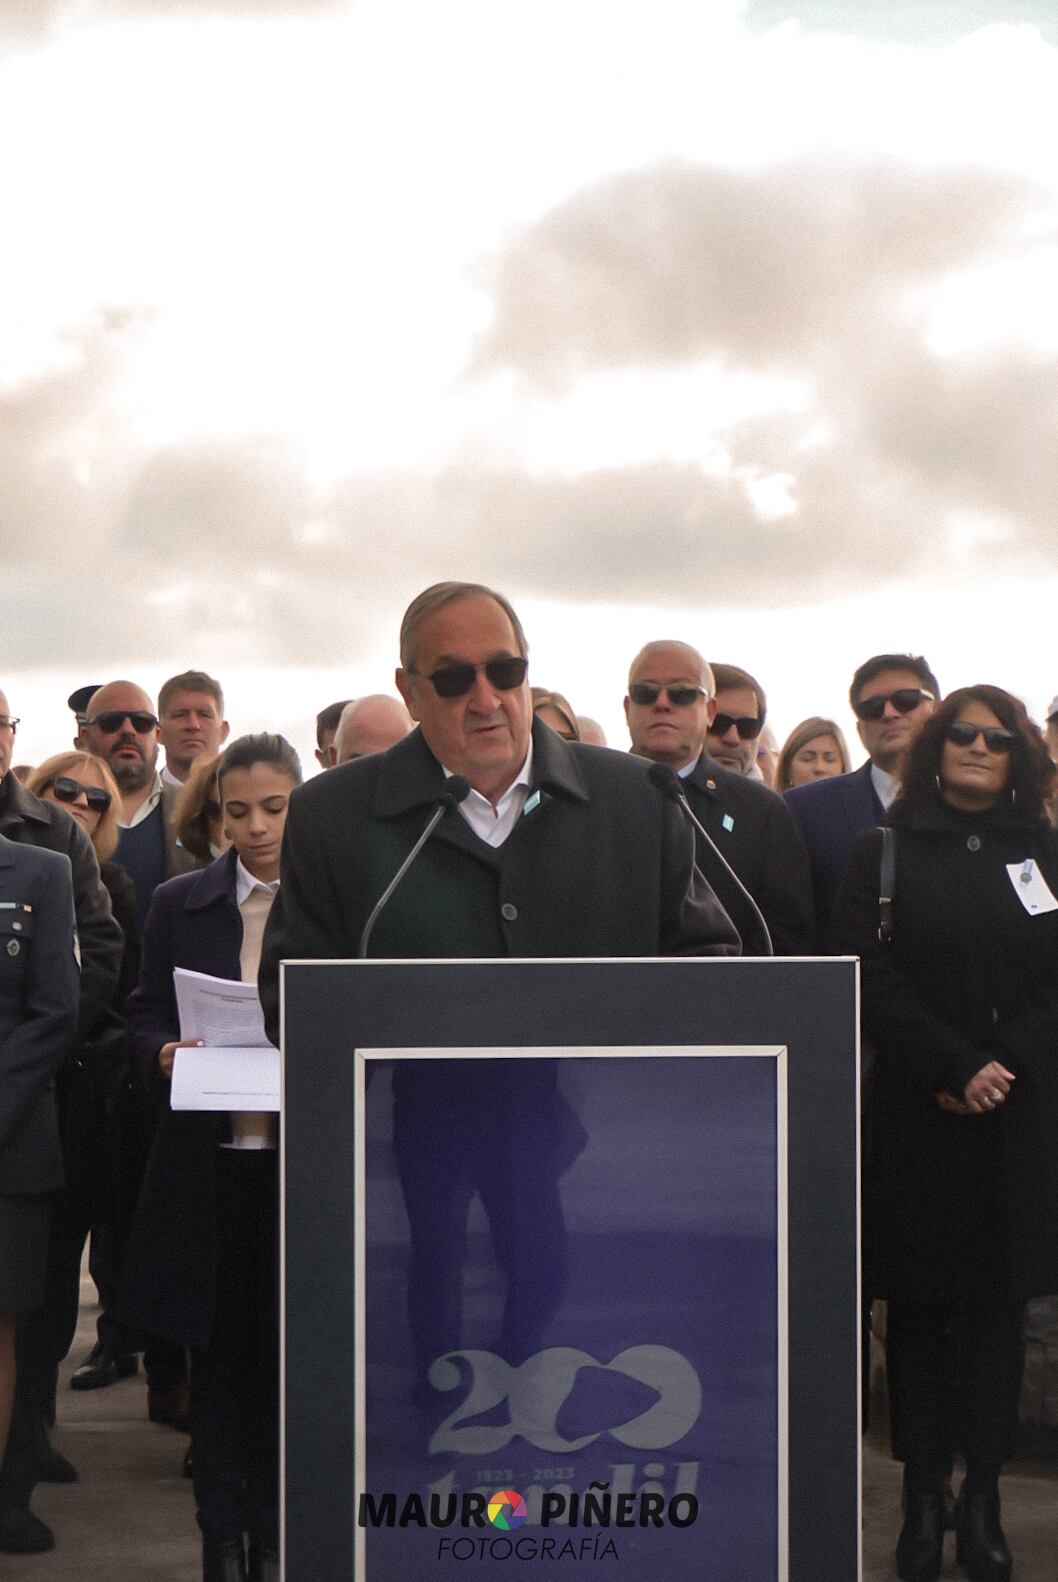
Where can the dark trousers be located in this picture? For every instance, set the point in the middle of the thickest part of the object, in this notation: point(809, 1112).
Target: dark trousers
point(954, 1381)
point(440, 1172)
point(235, 1378)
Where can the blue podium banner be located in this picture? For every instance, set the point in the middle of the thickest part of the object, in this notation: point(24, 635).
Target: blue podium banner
point(572, 1344)
point(570, 1270)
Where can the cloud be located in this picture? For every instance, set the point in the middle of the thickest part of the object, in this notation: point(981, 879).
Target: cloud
point(900, 463)
point(32, 21)
point(767, 268)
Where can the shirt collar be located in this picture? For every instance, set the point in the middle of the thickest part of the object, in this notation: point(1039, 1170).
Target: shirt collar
point(246, 884)
point(886, 785)
point(147, 806)
point(520, 783)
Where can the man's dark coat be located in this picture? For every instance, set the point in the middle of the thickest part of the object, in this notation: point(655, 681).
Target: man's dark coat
point(38, 1012)
point(599, 864)
point(30, 821)
point(754, 831)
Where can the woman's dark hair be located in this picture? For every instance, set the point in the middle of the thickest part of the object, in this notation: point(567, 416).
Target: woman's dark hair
point(1031, 769)
point(264, 748)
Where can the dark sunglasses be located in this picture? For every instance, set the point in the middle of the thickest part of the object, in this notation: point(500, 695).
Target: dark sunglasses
point(67, 790)
point(679, 697)
point(747, 726)
point(962, 734)
point(113, 720)
point(455, 681)
point(904, 699)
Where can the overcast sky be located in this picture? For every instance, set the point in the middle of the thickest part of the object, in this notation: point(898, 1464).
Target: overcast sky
point(729, 322)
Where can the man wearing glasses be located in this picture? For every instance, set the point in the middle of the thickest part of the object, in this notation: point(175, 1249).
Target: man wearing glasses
point(741, 710)
point(892, 696)
point(122, 727)
point(556, 850)
point(671, 708)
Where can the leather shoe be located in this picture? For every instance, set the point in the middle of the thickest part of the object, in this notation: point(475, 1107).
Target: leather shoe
point(103, 1366)
point(980, 1546)
point(920, 1547)
point(264, 1564)
point(223, 1559)
point(170, 1406)
point(22, 1533)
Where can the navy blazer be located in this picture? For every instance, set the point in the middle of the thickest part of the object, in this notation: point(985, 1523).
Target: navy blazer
point(830, 814)
point(39, 993)
point(169, 1281)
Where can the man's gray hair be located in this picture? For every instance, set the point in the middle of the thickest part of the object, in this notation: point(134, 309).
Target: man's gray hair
point(649, 649)
point(435, 598)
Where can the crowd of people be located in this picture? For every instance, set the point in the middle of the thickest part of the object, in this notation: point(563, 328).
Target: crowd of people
point(176, 850)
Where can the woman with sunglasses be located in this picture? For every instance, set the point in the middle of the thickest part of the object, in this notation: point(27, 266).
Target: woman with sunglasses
point(960, 1001)
point(93, 1093)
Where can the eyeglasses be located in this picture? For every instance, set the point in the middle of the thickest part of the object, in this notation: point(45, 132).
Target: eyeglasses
point(8, 724)
point(961, 733)
point(680, 697)
point(747, 726)
point(67, 790)
point(904, 699)
point(114, 719)
point(455, 681)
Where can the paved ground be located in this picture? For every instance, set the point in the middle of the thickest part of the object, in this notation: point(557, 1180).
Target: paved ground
point(131, 1515)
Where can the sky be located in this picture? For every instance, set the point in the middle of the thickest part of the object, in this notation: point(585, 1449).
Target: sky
point(733, 323)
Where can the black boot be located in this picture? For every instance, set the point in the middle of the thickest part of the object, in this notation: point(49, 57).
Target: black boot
point(223, 1559)
point(920, 1547)
point(980, 1546)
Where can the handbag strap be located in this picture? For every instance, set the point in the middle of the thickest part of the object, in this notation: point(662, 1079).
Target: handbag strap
point(886, 885)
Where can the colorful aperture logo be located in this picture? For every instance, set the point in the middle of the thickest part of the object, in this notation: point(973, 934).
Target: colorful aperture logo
point(507, 1509)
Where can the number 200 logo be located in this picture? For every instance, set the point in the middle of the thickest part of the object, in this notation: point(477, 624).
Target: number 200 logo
point(538, 1389)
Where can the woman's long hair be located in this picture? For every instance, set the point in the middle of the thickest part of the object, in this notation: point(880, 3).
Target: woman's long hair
point(105, 838)
point(1031, 769)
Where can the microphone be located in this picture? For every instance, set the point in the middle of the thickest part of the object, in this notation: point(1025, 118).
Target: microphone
point(457, 789)
point(669, 784)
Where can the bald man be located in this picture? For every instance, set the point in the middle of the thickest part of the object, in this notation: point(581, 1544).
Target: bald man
point(369, 725)
point(670, 704)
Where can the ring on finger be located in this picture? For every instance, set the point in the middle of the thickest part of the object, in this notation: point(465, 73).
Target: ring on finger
point(996, 1095)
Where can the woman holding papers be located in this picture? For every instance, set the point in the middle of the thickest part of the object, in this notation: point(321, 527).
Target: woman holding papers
point(202, 1268)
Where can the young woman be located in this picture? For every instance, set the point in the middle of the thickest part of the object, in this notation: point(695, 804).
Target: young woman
point(814, 750)
point(202, 1269)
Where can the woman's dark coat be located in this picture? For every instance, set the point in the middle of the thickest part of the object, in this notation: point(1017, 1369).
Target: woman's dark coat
point(956, 1205)
point(170, 1273)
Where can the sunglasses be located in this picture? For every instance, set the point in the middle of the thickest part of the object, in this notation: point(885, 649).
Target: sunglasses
point(962, 734)
point(455, 681)
point(679, 697)
point(747, 726)
point(113, 720)
point(904, 699)
point(67, 790)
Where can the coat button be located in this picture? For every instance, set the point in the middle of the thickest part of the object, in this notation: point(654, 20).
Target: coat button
point(17, 927)
point(508, 912)
point(973, 843)
point(13, 947)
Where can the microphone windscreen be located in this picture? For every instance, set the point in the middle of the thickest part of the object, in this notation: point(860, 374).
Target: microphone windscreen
point(666, 779)
point(457, 789)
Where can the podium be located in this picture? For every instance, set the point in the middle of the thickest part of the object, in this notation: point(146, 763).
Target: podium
point(570, 1270)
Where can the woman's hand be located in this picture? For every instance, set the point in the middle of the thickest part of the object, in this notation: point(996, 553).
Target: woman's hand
point(988, 1088)
point(167, 1054)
